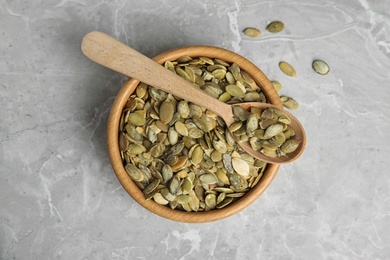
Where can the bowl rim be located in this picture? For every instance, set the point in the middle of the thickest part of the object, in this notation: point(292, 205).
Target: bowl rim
point(113, 133)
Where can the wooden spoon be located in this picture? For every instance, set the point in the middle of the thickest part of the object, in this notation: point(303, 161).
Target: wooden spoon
point(107, 51)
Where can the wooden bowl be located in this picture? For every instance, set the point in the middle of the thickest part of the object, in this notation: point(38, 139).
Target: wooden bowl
point(115, 157)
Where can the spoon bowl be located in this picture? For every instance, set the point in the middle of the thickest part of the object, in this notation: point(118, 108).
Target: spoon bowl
point(295, 124)
point(109, 52)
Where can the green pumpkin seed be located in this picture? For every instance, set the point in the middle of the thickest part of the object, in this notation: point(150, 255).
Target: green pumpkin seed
point(240, 166)
point(277, 85)
point(151, 187)
point(287, 69)
point(211, 201)
point(183, 109)
point(160, 199)
point(208, 178)
point(289, 102)
point(134, 173)
point(275, 27)
point(197, 155)
point(252, 32)
point(320, 67)
point(181, 199)
point(290, 145)
point(167, 110)
point(225, 202)
point(273, 130)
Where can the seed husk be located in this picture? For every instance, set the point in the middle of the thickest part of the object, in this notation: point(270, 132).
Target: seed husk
point(275, 27)
point(287, 69)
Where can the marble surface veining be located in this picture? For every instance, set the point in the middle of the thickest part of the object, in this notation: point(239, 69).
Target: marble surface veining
point(59, 197)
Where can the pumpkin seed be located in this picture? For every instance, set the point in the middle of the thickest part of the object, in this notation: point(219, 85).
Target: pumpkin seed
point(289, 102)
point(197, 155)
point(290, 145)
point(252, 32)
point(225, 202)
point(275, 27)
point(240, 166)
point(208, 178)
point(287, 69)
point(151, 187)
point(182, 199)
point(167, 110)
point(320, 67)
point(166, 173)
point(211, 201)
point(183, 109)
point(181, 128)
point(277, 85)
point(136, 119)
point(123, 142)
point(167, 195)
point(174, 185)
point(134, 173)
point(273, 130)
point(160, 199)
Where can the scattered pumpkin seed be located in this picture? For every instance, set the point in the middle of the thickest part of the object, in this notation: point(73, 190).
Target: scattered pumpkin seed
point(320, 67)
point(275, 27)
point(287, 69)
point(276, 85)
point(289, 102)
point(252, 32)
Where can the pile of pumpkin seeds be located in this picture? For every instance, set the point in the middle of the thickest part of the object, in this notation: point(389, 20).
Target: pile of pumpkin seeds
point(182, 155)
point(267, 131)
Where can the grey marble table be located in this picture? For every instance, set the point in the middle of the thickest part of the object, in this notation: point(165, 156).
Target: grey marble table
point(59, 197)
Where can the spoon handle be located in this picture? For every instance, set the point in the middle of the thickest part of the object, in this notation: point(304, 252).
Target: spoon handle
point(107, 51)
